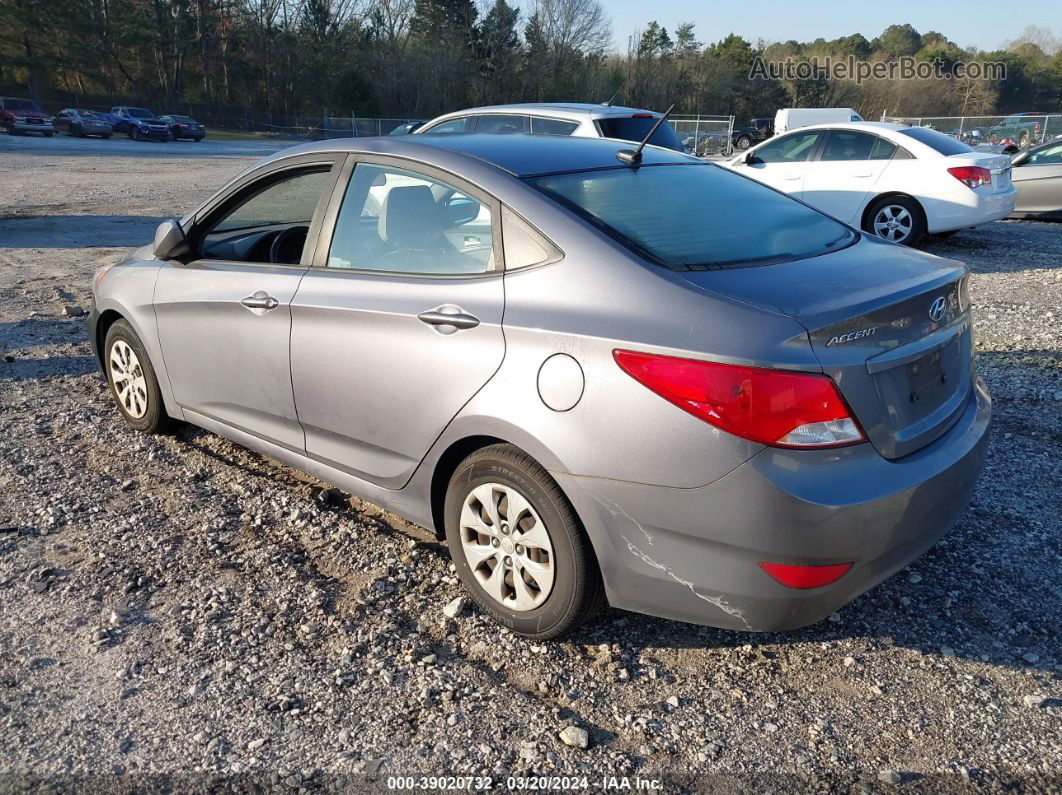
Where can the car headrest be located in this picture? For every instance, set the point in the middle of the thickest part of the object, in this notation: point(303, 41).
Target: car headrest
point(409, 216)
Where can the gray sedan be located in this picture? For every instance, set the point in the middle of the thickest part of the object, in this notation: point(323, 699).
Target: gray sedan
point(1037, 177)
point(650, 382)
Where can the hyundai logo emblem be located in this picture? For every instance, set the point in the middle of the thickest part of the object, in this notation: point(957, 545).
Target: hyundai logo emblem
point(937, 308)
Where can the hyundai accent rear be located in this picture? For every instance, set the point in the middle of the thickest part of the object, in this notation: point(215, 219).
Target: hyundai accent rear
point(833, 372)
point(663, 385)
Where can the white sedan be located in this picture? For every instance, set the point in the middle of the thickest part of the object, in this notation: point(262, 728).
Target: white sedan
point(891, 180)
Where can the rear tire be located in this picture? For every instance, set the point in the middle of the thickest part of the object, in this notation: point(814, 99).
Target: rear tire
point(897, 219)
point(743, 143)
point(560, 584)
point(134, 385)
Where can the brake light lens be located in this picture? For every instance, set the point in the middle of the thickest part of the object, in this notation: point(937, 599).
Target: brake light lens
point(971, 176)
point(803, 576)
point(773, 407)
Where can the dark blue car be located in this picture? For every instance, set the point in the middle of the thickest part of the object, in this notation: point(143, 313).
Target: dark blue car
point(139, 123)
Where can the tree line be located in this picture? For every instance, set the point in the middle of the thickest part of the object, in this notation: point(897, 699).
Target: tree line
point(418, 58)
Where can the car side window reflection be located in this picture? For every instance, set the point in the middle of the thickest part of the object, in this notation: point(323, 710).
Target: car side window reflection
point(1050, 156)
point(849, 145)
point(459, 125)
point(404, 222)
point(270, 224)
point(795, 148)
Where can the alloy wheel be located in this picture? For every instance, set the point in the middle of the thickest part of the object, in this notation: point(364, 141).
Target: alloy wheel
point(893, 222)
point(128, 378)
point(507, 546)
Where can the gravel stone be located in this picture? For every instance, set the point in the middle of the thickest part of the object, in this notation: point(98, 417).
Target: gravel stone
point(575, 737)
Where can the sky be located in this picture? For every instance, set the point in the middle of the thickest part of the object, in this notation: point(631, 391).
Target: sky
point(985, 24)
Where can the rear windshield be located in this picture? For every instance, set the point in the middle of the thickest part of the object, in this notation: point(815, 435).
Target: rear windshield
point(696, 216)
point(20, 104)
point(942, 143)
point(632, 129)
point(141, 113)
point(182, 119)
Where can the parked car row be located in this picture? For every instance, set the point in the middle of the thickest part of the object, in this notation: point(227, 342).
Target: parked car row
point(20, 116)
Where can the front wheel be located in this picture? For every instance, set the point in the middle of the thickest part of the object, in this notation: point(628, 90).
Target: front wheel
point(134, 386)
point(897, 219)
point(134, 133)
point(518, 546)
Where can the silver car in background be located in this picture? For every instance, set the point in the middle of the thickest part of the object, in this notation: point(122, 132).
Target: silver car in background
point(1037, 176)
point(656, 384)
point(580, 120)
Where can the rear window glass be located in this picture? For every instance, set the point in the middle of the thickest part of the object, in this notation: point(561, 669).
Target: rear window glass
point(141, 113)
point(944, 144)
point(632, 129)
point(696, 216)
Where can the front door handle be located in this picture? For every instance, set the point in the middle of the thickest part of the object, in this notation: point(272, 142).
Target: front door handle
point(260, 301)
point(448, 316)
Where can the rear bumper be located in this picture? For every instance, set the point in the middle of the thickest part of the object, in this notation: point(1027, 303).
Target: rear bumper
point(692, 554)
point(157, 135)
point(967, 208)
point(31, 128)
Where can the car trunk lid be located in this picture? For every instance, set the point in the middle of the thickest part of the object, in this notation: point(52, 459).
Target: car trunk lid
point(997, 164)
point(891, 327)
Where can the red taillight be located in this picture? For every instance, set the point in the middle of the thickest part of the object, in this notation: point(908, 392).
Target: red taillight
point(773, 407)
point(801, 576)
point(971, 176)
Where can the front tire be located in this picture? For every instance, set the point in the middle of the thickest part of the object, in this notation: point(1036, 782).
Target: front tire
point(518, 546)
point(134, 385)
point(897, 219)
point(134, 133)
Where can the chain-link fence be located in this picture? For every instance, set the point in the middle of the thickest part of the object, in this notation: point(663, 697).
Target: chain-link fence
point(1018, 129)
point(705, 136)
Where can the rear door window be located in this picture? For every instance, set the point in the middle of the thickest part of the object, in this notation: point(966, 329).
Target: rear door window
point(499, 123)
point(848, 145)
point(401, 221)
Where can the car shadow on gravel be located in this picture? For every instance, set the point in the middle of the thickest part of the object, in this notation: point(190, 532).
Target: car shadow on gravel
point(1002, 247)
point(77, 231)
point(48, 367)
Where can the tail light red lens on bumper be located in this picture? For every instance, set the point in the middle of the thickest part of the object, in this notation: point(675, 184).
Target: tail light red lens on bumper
point(971, 176)
point(803, 576)
point(779, 408)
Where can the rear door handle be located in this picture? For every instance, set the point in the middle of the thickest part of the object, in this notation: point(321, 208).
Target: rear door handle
point(448, 316)
point(260, 301)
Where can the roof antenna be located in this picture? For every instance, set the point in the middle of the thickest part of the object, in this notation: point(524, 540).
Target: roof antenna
point(613, 97)
point(633, 157)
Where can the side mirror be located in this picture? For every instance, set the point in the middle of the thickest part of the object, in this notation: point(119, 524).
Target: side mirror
point(170, 240)
point(1020, 159)
point(749, 158)
point(461, 211)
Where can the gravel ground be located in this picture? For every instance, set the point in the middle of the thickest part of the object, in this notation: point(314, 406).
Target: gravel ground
point(180, 609)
